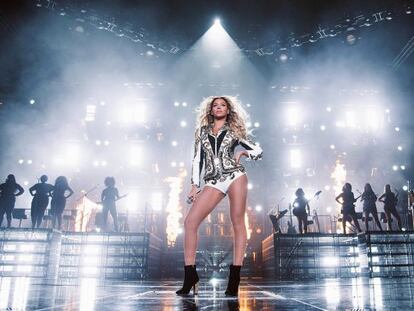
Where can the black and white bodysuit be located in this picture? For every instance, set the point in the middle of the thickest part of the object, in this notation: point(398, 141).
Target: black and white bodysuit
point(215, 153)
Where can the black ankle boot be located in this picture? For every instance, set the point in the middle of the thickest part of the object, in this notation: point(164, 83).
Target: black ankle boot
point(234, 281)
point(190, 281)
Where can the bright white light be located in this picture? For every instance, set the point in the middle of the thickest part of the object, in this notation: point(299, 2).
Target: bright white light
point(181, 164)
point(405, 188)
point(214, 282)
point(293, 116)
point(90, 270)
point(387, 111)
point(350, 118)
point(104, 163)
point(156, 201)
point(133, 114)
point(184, 104)
point(174, 143)
point(249, 186)
point(330, 261)
point(256, 124)
point(248, 124)
point(332, 147)
point(132, 201)
point(90, 113)
point(327, 187)
point(329, 109)
point(395, 167)
point(95, 163)
point(26, 183)
point(283, 57)
point(400, 148)
point(27, 248)
point(98, 142)
point(322, 127)
point(135, 155)
point(258, 208)
point(183, 123)
point(21, 161)
point(373, 118)
point(340, 124)
point(329, 209)
point(150, 53)
point(176, 104)
point(173, 164)
point(402, 167)
point(32, 101)
point(397, 129)
point(29, 162)
point(295, 158)
point(25, 258)
point(106, 142)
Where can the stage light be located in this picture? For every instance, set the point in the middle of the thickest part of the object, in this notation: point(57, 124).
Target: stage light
point(250, 186)
point(322, 127)
point(327, 187)
point(293, 116)
point(90, 270)
point(90, 113)
point(184, 104)
point(173, 164)
point(340, 124)
point(150, 53)
point(402, 167)
point(183, 123)
point(214, 282)
point(395, 167)
point(95, 163)
point(176, 104)
point(32, 102)
point(256, 124)
point(98, 142)
point(217, 21)
point(21, 161)
point(283, 57)
point(295, 158)
point(350, 118)
point(330, 261)
point(132, 114)
point(29, 162)
point(258, 208)
point(102, 103)
point(400, 148)
point(397, 129)
point(332, 147)
point(26, 183)
point(135, 155)
point(405, 188)
point(156, 201)
point(132, 201)
point(104, 163)
point(329, 209)
point(181, 164)
point(174, 143)
point(329, 109)
point(106, 142)
point(387, 111)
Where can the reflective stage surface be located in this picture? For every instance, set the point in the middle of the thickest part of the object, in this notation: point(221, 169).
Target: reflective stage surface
point(350, 294)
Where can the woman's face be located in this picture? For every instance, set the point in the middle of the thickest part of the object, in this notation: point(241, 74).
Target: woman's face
point(219, 108)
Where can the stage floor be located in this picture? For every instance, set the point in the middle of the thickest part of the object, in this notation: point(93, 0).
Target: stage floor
point(350, 294)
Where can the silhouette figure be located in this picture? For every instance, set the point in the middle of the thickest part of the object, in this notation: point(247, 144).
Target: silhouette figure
point(8, 193)
point(369, 207)
point(348, 206)
point(41, 193)
point(58, 202)
point(300, 205)
point(108, 197)
point(390, 201)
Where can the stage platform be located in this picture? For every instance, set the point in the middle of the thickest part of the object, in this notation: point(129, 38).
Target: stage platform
point(90, 294)
point(67, 257)
point(319, 256)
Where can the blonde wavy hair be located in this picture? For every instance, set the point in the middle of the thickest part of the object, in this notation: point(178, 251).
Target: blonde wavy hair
point(236, 119)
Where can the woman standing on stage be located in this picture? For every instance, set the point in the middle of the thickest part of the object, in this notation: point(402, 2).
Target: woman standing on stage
point(8, 193)
point(41, 193)
point(300, 205)
point(348, 206)
point(59, 200)
point(390, 201)
point(221, 128)
point(108, 197)
point(369, 207)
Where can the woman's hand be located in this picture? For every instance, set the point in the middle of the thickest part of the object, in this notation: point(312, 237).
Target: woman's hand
point(192, 196)
point(239, 155)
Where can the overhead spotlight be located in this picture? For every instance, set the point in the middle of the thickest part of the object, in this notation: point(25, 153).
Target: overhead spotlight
point(397, 129)
point(150, 53)
point(256, 124)
point(323, 127)
point(329, 109)
point(405, 188)
point(395, 167)
point(402, 167)
point(183, 123)
point(176, 104)
point(217, 21)
point(400, 148)
point(32, 101)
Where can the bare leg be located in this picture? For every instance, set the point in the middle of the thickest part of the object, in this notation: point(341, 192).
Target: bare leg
point(344, 222)
point(377, 221)
point(203, 205)
point(238, 198)
point(389, 221)
point(300, 225)
point(397, 216)
point(366, 221)
point(356, 223)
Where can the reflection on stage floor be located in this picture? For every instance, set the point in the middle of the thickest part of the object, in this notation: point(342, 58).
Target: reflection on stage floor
point(350, 294)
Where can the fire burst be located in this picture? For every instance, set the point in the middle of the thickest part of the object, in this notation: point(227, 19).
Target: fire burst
point(174, 206)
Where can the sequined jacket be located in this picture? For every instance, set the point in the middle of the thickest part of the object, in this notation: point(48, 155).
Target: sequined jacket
point(215, 153)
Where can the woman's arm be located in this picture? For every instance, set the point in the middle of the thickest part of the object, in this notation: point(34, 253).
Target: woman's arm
point(198, 161)
point(381, 198)
point(338, 197)
point(70, 192)
point(254, 151)
point(32, 190)
point(20, 190)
